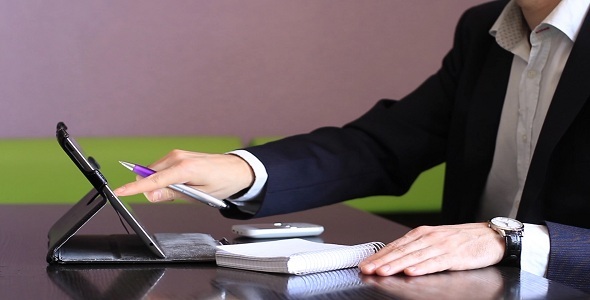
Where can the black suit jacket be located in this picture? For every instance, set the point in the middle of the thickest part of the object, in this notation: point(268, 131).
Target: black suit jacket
point(453, 117)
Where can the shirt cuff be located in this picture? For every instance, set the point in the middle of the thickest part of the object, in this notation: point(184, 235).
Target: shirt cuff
point(260, 176)
point(535, 249)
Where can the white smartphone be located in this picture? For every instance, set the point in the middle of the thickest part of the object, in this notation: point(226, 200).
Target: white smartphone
point(277, 230)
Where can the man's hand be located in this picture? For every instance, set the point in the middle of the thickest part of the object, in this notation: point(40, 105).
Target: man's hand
point(430, 249)
point(220, 175)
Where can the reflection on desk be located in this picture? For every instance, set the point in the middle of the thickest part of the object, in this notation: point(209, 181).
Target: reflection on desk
point(140, 282)
point(104, 282)
point(487, 283)
point(476, 284)
point(338, 284)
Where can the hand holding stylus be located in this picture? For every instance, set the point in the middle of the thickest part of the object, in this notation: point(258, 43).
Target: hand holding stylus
point(218, 175)
point(181, 188)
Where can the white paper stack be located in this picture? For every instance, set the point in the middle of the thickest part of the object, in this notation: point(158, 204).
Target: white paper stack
point(294, 256)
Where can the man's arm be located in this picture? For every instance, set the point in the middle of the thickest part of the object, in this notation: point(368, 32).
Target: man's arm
point(569, 259)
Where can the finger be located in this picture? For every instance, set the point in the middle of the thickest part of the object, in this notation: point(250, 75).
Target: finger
point(471, 247)
point(443, 262)
point(408, 262)
point(394, 260)
point(409, 243)
point(153, 182)
point(447, 249)
point(173, 158)
point(437, 263)
point(164, 194)
point(425, 234)
point(142, 185)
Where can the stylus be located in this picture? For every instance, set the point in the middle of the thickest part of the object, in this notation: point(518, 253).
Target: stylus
point(181, 188)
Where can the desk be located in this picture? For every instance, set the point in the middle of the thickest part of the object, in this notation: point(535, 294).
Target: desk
point(24, 274)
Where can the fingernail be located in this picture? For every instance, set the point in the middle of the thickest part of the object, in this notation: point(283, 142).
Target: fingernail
point(384, 269)
point(156, 196)
point(118, 191)
point(413, 271)
point(368, 267)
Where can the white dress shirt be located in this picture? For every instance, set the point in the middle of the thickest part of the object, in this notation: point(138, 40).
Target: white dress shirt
point(539, 59)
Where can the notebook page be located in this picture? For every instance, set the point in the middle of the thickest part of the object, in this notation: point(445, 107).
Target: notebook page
point(279, 248)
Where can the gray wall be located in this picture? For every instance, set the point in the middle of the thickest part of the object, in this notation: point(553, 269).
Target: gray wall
point(229, 67)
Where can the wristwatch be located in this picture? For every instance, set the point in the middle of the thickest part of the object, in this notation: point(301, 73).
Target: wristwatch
point(512, 231)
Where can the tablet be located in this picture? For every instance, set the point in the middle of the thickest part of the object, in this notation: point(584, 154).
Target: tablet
point(89, 168)
point(66, 247)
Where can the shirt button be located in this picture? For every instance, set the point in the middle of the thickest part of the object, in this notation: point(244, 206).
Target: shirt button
point(531, 73)
point(524, 137)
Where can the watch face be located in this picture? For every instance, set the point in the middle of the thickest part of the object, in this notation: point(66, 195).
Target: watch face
point(507, 223)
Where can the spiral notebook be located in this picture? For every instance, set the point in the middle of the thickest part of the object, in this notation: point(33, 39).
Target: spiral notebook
point(294, 256)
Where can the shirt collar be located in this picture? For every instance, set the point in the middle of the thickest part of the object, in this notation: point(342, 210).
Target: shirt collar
point(510, 29)
point(568, 17)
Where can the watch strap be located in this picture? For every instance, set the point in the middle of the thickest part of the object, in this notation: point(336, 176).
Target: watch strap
point(513, 249)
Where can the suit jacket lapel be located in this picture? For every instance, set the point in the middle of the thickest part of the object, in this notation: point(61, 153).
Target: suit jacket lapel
point(570, 96)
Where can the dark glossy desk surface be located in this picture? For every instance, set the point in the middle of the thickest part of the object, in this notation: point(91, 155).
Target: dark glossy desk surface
point(24, 274)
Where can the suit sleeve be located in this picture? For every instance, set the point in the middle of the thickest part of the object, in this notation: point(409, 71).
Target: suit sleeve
point(569, 258)
point(380, 153)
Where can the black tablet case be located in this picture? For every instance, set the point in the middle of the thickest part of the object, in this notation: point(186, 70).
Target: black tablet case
point(65, 247)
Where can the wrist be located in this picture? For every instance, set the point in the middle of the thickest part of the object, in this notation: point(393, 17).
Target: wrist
point(258, 175)
point(245, 174)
